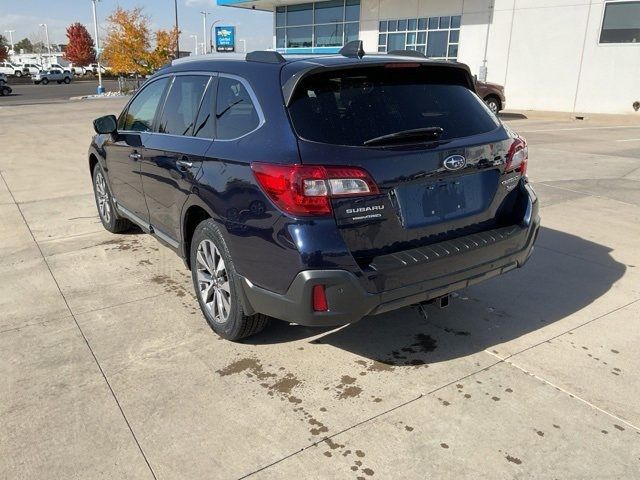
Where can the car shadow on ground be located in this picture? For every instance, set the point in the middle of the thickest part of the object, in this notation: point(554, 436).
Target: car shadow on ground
point(551, 287)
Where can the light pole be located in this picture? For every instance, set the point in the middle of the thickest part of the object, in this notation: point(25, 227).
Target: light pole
point(10, 32)
point(195, 43)
point(46, 33)
point(212, 36)
point(175, 5)
point(204, 29)
point(100, 88)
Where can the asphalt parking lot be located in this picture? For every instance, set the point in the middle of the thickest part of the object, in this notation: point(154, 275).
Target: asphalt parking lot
point(109, 371)
point(30, 94)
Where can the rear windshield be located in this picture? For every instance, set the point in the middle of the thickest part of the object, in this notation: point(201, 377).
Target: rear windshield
point(349, 107)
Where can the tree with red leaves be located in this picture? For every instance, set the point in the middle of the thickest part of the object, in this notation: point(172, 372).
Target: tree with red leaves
point(4, 51)
point(80, 49)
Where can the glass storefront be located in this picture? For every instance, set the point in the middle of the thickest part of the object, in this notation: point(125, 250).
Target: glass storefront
point(317, 27)
point(436, 37)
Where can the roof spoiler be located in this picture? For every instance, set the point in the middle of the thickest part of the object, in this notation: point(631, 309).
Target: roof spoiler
point(265, 56)
point(289, 87)
point(354, 49)
point(407, 53)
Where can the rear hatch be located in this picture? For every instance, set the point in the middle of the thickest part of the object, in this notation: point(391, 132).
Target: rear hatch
point(434, 150)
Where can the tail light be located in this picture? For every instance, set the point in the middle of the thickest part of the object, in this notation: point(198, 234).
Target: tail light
point(518, 156)
point(307, 190)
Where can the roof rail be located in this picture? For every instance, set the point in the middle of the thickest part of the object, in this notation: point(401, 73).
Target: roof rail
point(265, 56)
point(407, 53)
point(354, 49)
point(208, 56)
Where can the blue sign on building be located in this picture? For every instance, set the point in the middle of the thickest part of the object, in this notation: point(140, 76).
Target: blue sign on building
point(225, 39)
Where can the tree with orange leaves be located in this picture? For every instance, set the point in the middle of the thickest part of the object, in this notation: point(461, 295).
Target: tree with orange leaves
point(127, 48)
point(165, 47)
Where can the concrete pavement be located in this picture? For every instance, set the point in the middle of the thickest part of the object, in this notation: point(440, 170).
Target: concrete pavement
point(109, 370)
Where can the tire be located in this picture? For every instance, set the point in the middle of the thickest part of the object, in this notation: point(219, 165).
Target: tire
point(111, 221)
point(494, 104)
point(44, 81)
point(209, 253)
point(67, 80)
point(17, 73)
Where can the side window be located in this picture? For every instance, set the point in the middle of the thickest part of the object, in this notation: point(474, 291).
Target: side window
point(236, 115)
point(139, 116)
point(183, 100)
point(205, 124)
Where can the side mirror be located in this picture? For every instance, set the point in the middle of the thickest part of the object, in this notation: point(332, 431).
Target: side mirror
point(106, 125)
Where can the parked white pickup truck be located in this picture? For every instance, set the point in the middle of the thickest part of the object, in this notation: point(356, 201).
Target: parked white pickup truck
point(53, 75)
point(30, 68)
point(9, 68)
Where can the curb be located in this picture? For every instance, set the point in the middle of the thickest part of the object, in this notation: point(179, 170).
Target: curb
point(100, 97)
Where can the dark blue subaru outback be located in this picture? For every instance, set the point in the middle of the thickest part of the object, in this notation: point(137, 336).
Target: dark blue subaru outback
point(317, 190)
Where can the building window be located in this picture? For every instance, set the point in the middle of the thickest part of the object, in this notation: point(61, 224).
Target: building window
point(621, 23)
point(436, 37)
point(318, 26)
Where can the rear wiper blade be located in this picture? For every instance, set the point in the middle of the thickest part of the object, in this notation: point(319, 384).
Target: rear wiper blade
point(430, 133)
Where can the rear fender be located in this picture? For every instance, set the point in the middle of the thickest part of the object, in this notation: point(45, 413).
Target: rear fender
point(193, 200)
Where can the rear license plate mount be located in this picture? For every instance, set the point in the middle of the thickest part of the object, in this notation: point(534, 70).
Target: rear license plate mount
point(443, 200)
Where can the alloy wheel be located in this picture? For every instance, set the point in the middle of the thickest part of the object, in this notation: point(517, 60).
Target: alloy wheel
point(104, 206)
point(213, 281)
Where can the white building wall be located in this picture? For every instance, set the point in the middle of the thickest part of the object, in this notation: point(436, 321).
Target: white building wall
point(610, 77)
point(545, 52)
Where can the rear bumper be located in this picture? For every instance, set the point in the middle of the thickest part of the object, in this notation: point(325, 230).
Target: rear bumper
point(445, 268)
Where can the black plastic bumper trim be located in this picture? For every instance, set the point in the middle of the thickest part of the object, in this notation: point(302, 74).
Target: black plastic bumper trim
point(349, 301)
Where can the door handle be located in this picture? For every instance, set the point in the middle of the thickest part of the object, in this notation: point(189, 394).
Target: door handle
point(135, 156)
point(184, 164)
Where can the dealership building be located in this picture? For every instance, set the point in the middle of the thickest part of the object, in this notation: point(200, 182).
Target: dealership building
point(562, 55)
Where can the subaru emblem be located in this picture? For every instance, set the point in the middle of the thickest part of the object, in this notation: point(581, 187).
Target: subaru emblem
point(454, 162)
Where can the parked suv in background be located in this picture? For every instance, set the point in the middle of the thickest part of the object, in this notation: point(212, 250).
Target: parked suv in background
point(31, 68)
point(93, 69)
point(317, 190)
point(57, 66)
point(78, 70)
point(4, 88)
point(492, 94)
point(54, 75)
point(9, 68)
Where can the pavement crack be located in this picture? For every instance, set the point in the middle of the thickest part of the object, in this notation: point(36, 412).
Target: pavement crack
point(572, 329)
point(568, 392)
point(508, 360)
point(35, 324)
point(86, 340)
point(369, 419)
